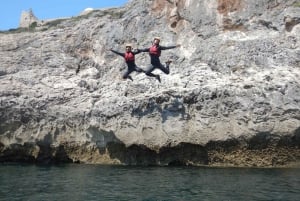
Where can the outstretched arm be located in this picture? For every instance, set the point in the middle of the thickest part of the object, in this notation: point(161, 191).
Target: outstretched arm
point(136, 51)
point(168, 47)
point(118, 53)
point(144, 50)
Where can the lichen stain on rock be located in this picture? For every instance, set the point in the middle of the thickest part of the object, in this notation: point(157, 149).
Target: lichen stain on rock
point(228, 25)
point(262, 150)
point(269, 157)
point(224, 8)
point(228, 6)
point(171, 9)
point(290, 23)
point(255, 152)
point(158, 6)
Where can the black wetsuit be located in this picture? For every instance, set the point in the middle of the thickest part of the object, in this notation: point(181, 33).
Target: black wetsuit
point(155, 61)
point(130, 64)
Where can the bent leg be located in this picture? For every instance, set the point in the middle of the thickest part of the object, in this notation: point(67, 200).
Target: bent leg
point(127, 74)
point(149, 71)
point(164, 69)
point(139, 70)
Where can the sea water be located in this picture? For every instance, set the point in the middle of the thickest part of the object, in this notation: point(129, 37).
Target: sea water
point(95, 182)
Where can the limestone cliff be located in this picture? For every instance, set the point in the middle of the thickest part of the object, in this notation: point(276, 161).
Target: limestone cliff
point(232, 97)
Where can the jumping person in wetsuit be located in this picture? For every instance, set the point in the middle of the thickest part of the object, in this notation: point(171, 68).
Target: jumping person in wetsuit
point(129, 57)
point(154, 52)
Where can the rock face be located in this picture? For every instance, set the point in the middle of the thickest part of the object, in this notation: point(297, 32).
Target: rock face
point(232, 97)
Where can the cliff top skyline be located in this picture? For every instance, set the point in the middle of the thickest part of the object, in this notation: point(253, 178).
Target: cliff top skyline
point(10, 16)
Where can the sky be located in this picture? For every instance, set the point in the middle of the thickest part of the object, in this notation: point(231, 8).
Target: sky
point(11, 10)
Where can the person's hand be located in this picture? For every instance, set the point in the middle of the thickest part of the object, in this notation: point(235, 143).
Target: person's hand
point(178, 45)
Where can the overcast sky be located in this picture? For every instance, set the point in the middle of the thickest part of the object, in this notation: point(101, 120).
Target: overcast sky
point(10, 12)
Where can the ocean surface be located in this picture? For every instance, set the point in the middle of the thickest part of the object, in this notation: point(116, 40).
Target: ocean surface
point(95, 182)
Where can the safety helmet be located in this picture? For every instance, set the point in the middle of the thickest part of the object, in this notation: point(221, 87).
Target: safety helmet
point(156, 38)
point(128, 45)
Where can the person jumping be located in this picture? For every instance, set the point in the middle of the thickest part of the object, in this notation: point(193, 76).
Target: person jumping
point(155, 52)
point(129, 57)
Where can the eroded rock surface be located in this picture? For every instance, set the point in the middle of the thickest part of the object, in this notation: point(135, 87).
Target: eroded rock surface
point(232, 97)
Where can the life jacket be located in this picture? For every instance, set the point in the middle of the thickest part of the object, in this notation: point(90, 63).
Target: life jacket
point(154, 50)
point(129, 56)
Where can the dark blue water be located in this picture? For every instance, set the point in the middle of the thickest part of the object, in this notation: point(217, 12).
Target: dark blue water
point(92, 182)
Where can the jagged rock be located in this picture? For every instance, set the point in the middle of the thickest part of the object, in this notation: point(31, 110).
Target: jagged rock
point(232, 97)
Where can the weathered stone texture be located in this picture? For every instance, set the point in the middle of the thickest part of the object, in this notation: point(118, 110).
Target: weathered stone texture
point(232, 97)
